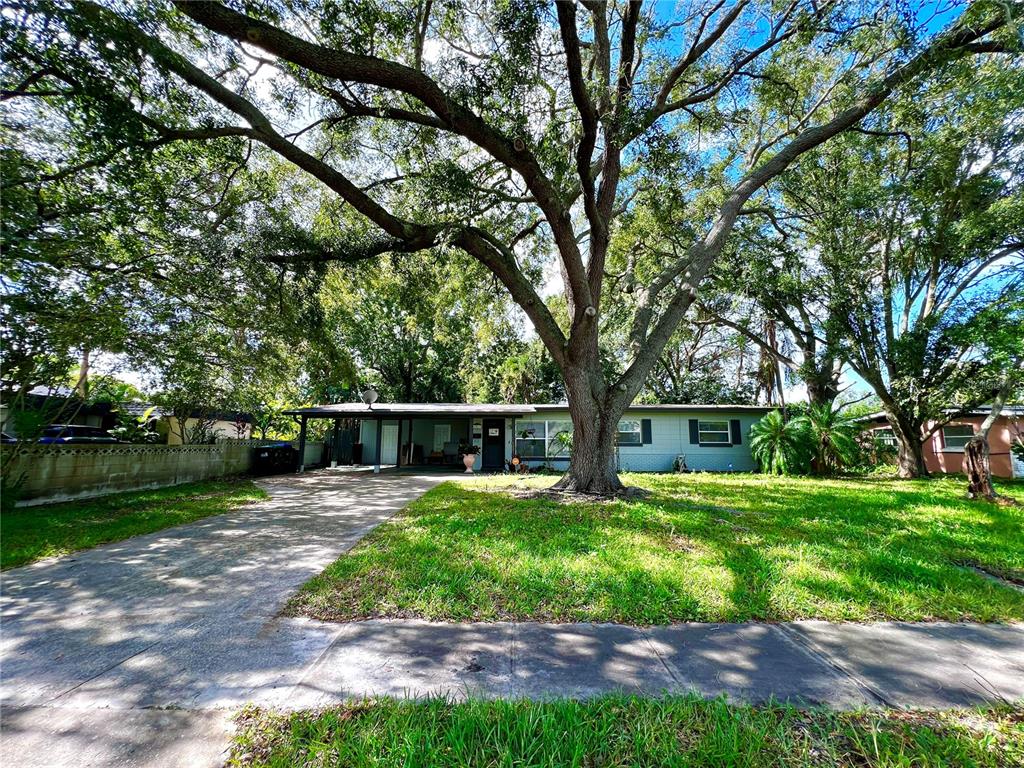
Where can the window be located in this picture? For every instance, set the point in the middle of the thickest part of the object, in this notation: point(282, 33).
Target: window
point(559, 438)
point(885, 437)
point(955, 436)
point(629, 432)
point(714, 432)
point(530, 439)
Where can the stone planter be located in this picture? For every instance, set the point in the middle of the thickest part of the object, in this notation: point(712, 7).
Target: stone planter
point(468, 460)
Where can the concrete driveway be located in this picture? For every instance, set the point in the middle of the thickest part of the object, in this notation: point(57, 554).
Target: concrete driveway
point(137, 653)
point(103, 651)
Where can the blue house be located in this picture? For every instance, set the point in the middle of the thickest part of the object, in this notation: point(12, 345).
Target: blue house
point(650, 438)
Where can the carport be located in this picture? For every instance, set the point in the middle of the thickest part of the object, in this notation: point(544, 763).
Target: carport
point(404, 434)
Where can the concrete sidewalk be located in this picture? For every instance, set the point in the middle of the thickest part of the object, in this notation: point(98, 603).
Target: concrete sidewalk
point(172, 707)
point(169, 616)
point(136, 653)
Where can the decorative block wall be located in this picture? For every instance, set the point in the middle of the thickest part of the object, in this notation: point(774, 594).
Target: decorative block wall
point(62, 472)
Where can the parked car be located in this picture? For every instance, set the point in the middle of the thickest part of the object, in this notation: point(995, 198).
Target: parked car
point(5, 438)
point(76, 433)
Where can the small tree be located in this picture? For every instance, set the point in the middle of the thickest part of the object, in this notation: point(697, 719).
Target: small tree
point(832, 437)
point(778, 445)
point(136, 429)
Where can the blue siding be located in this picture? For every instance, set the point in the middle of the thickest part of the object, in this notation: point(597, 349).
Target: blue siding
point(670, 437)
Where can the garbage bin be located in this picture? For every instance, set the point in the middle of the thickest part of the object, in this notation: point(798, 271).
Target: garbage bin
point(274, 459)
point(357, 453)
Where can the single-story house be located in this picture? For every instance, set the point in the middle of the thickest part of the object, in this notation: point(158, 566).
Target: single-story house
point(650, 439)
point(944, 450)
point(59, 405)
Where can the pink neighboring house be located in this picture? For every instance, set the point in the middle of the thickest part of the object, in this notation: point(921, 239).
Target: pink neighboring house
point(944, 451)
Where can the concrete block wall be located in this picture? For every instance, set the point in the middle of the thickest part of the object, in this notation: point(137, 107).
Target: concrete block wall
point(63, 472)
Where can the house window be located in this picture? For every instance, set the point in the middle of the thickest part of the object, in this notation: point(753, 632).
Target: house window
point(956, 435)
point(559, 438)
point(530, 439)
point(629, 432)
point(543, 439)
point(885, 437)
point(714, 433)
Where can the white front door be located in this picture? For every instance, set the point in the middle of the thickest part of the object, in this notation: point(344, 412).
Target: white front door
point(442, 434)
point(389, 444)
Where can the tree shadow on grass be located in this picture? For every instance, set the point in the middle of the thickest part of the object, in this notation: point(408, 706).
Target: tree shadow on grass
point(868, 549)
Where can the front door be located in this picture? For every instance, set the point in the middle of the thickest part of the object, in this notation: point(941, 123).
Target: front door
point(389, 444)
point(494, 444)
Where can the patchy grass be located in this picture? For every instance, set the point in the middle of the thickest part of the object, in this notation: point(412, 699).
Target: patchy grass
point(625, 731)
point(697, 548)
point(31, 533)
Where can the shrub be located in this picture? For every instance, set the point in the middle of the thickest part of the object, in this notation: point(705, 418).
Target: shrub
point(779, 446)
point(832, 438)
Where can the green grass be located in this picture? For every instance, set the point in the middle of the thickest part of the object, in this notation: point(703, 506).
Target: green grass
point(31, 533)
point(698, 548)
point(625, 731)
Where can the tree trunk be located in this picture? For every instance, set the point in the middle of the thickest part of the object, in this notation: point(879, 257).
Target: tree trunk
point(909, 448)
point(976, 451)
point(909, 456)
point(822, 387)
point(82, 385)
point(595, 425)
point(978, 469)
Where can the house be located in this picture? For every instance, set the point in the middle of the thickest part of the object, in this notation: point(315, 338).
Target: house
point(650, 437)
point(59, 405)
point(944, 450)
point(219, 425)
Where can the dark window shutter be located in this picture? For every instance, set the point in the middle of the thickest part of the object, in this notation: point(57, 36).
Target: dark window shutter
point(694, 433)
point(734, 427)
point(645, 431)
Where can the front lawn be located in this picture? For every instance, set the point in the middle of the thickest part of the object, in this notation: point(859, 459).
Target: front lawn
point(698, 548)
point(625, 731)
point(32, 533)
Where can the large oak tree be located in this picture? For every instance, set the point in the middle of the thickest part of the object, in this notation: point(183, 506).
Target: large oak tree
point(522, 128)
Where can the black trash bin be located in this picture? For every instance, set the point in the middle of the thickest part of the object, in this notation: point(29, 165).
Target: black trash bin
point(357, 453)
point(274, 459)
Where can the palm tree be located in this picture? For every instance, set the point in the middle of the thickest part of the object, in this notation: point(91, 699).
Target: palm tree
point(779, 446)
point(832, 436)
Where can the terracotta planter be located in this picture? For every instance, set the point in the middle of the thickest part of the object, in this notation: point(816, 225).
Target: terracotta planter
point(468, 459)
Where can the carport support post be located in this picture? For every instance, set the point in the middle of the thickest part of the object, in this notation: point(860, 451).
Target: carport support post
point(376, 457)
point(302, 443)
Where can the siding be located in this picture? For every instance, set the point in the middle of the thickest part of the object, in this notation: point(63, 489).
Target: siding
point(670, 437)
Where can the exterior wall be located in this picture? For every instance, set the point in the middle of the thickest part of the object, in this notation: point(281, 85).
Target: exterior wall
point(422, 433)
point(61, 472)
point(223, 430)
point(670, 437)
point(944, 460)
point(939, 458)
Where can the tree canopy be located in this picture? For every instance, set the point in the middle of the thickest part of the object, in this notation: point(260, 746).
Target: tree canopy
point(512, 132)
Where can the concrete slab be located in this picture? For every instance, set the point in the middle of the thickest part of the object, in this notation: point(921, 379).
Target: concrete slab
point(211, 664)
point(925, 665)
point(411, 659)
point(45, 737)
point(184, 617)
point(751, 662)
point(583, 660)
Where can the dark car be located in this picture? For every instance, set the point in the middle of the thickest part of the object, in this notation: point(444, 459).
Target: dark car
point(5, 438)
point(76, 433)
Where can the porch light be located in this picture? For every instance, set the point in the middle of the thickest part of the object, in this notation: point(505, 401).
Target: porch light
point(369, 396)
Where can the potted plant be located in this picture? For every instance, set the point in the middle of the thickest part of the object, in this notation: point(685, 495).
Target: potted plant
point(469, 452)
